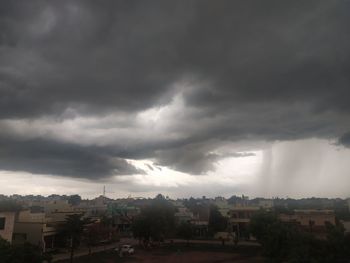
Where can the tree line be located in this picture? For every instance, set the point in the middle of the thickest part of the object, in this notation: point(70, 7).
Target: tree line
point(283, 242)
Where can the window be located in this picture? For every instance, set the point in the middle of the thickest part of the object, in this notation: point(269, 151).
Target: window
point(2, 223)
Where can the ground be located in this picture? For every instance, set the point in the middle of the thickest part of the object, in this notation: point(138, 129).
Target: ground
point(177, 254)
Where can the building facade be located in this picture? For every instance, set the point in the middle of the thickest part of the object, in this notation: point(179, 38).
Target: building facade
point(7, 223)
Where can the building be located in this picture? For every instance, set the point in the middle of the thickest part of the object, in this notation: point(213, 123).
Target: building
point(34, 227)
point(122, 216)
point(200, 228)
point(223, 206)
point(311, 220)
point(39, 224)
point(239, 219)
point(7, 223)
point(310, 217)
point(265, 203)
point(183, 215)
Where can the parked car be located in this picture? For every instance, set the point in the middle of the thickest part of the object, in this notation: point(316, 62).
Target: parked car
point(125, 249)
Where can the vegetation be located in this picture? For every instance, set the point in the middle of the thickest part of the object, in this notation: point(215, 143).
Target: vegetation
point(156, 221)
point(100, 232)
point(217, 222)
point(73, 229)
point(185, 231)
point(20, 253)
point(283, 242)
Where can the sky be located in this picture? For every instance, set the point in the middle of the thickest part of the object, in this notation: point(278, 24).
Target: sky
point(185, 98)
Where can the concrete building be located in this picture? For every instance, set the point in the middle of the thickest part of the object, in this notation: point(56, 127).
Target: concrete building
point(122, 216)
point(311, 220)
point(223, 206)
point(39, 225)
point(239, 219)
point(7, 223)
point(265, 203)
point(34, 227)
point(310, 217)
point(200, 228)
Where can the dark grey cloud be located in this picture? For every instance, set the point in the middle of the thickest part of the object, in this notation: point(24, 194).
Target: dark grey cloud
point(345, 139)
point(126, 55)
point(195, 158)
point(56, 158)
point(253, 70)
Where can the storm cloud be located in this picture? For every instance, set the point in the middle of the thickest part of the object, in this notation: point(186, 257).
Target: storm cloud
point(48, 157)
point(87, 85)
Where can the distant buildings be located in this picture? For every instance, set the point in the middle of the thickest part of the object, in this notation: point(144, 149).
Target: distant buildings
point(311, 220)
point(40, 219)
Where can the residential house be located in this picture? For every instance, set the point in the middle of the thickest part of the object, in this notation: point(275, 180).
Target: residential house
point(34, 227)
point(39, 225)
point(311, 220)
point(7, 222)
point(239, 219)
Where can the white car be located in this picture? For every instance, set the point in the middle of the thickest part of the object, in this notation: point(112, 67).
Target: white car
point(125, 249)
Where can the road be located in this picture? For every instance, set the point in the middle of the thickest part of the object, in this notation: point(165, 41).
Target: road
point(85, 251)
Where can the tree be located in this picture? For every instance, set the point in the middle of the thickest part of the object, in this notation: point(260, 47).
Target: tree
point(98, 232)
point(141, 227)
point(5, 250)
point(185, 231)
point(73, 229)
point(217, 222)
point(338, 243)
point(156, 221)
point(27, 253)
point(283, 242)
point(260, 222)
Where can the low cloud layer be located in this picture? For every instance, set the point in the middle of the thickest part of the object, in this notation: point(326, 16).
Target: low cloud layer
point(86, 86)
point(56, 158)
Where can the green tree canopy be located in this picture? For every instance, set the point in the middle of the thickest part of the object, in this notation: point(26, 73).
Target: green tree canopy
point(73, 229)
point(282, 242)
point(217, 222)
point(156, 221)
point(185, 231)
